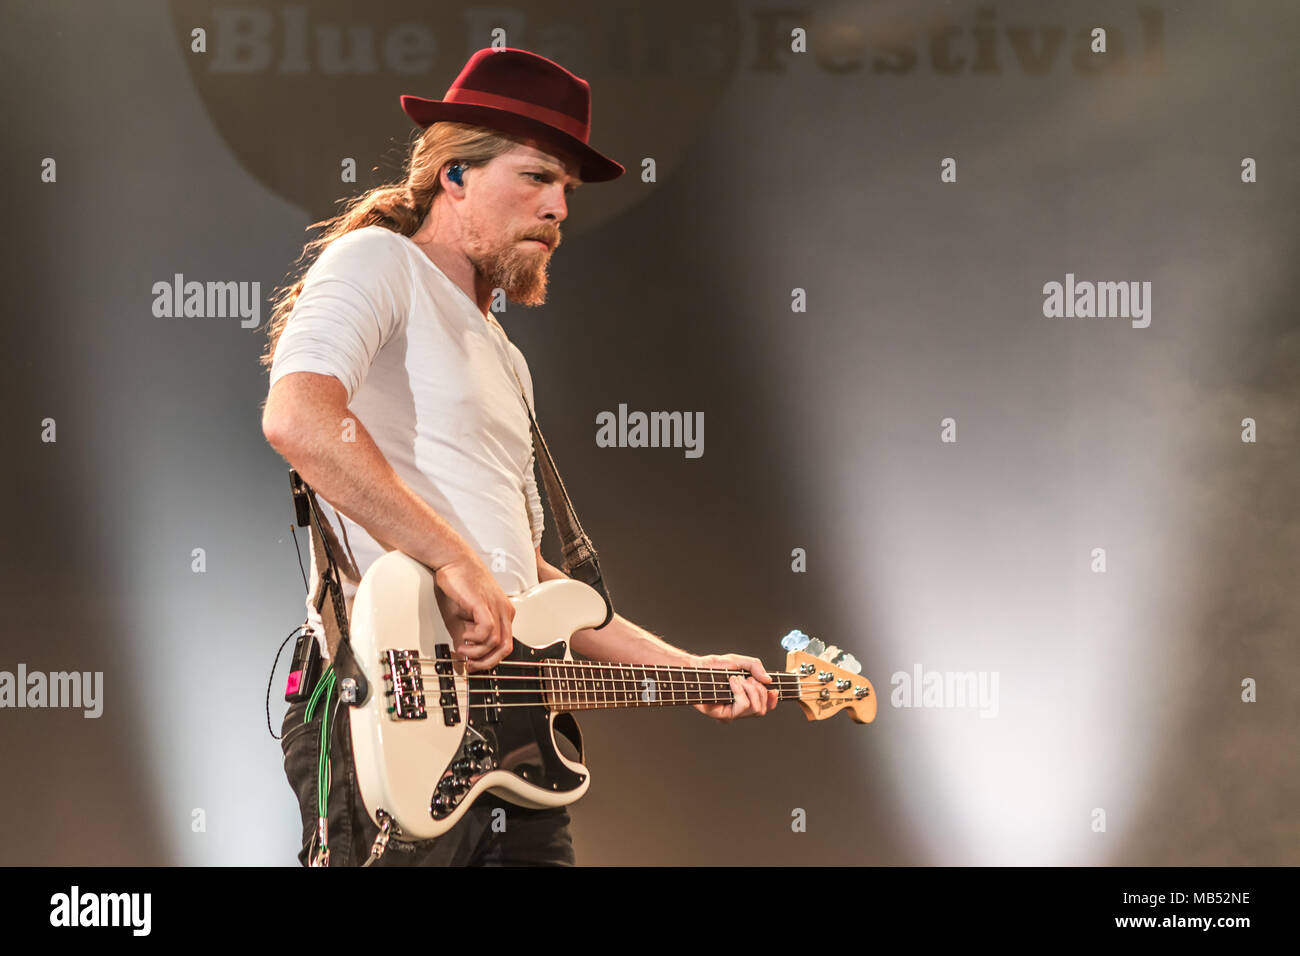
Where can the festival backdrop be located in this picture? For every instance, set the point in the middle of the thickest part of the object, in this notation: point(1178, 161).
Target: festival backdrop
point(988, 310)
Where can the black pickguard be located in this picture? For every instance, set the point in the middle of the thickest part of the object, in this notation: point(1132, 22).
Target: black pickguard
point(509, 729)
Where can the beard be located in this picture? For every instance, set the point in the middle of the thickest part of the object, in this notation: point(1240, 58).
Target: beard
point(517, 268)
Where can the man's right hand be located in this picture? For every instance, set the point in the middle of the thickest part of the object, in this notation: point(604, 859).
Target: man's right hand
point(477, 612)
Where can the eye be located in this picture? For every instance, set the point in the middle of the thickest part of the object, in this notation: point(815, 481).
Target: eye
point(546, 178)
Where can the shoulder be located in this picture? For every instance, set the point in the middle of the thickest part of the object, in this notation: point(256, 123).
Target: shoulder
point(521, 367)
point(516, 357)
point(371, 263)
point(365, 252)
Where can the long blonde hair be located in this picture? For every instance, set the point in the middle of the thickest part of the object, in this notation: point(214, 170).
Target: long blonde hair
point(401, 208)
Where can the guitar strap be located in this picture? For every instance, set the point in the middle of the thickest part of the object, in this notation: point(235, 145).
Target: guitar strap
point(327, 593)
point(579, 560)
point(578, 555)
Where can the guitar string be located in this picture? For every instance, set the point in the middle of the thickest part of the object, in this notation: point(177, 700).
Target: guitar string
point(784, 678)
point(779, 681)
point(636, 702)
point(603, 674)
point(603, 705)
point(550, 674)
point(576, 695)
point(609, 683)
point(586, 698)
point(592, 687)
point(596, 686)
point(611, 671)
point(565, 708)
point(589, 665)
point(582, 705)
point(606, 684)
point(596, 693)
point(809, 694)
point(598, 679)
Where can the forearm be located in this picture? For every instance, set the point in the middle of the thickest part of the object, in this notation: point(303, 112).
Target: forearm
point(358, 481)
point(621, 640)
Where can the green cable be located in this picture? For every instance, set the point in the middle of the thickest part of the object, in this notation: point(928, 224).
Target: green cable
point(324, 689)
point(315, 695)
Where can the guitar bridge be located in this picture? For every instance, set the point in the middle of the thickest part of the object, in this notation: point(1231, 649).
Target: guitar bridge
point(405, 685)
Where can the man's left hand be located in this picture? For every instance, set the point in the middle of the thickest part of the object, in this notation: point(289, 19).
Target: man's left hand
point(752, 699)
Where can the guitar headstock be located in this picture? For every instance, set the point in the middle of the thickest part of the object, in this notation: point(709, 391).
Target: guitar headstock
point(829, 679)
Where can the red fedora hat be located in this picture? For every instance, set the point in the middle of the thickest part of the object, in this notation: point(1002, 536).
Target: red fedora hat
point(522, 93)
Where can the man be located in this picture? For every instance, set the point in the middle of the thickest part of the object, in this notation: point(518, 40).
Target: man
point(393, 392)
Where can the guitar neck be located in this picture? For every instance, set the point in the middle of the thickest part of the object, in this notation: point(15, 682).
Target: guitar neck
point(598, 685)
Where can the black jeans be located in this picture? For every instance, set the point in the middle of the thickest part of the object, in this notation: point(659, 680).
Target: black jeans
point(529, 837)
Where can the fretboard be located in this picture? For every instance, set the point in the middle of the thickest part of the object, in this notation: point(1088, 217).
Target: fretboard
point(594, 685)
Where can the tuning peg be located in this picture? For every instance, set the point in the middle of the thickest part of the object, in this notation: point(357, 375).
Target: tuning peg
point(795, 641)
point(830, 653)
point(849, 663)
point(815, 647)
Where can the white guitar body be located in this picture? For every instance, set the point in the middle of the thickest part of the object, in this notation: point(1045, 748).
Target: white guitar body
point(422, 753)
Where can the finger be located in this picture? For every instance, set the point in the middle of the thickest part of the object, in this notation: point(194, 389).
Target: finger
point(480, 616)
point(493, 647)
point(757, 695)
point(486, 628)
point(741, 705)
point(456, 631)
point(500, 627)
point(477, 646)
point(486, 655)
point(720, 712)
point(463, 631)
point(507, 617)
point(468, 637)
point(500, 652)
point(479, 626)
point(759, 672)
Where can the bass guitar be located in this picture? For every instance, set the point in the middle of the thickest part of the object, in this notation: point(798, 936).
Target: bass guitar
point(431, 736)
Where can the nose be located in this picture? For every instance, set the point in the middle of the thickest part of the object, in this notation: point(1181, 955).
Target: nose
point(557, 206)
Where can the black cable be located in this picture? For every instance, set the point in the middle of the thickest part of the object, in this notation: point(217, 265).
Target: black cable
point(270, 680)
point(298, 552)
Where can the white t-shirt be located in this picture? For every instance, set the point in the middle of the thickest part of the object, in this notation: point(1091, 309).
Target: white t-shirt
point(427, 376)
